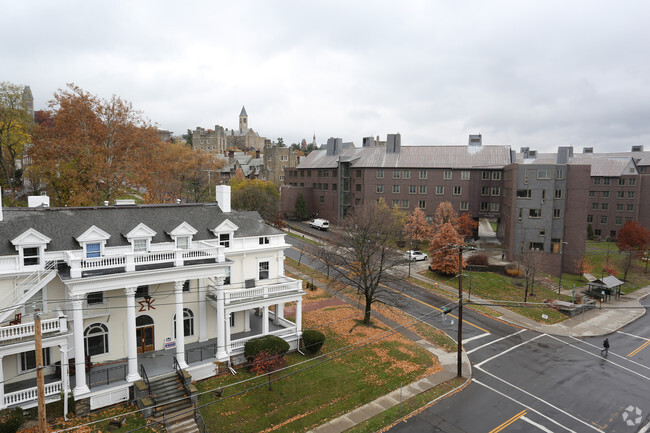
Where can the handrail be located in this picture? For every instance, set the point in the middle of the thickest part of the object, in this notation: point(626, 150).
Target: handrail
point(199, 422)
point(145, 378)
point(181, 376)
point(32, 280)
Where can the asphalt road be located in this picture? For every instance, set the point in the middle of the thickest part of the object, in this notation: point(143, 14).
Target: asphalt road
point(524, 381)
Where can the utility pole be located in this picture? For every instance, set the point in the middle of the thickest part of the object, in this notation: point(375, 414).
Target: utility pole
point(559, 286)
point(460, 311)
point(40, 383)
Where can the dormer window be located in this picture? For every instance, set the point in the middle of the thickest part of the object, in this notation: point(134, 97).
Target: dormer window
point(31, 256)
point(182, 236)
point(140, 246)
point(225, 232)
point(93, 242)
point(183, 242)
point(140, 237)
point(31, 247)
point(93, 250)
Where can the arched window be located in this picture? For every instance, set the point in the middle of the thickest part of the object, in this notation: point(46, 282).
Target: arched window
point(96, 339)
point(188, 323)
point(143, 320)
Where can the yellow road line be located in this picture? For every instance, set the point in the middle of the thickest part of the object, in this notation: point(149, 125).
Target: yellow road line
point(510, 421)
point(639, 349)
point(417, 300)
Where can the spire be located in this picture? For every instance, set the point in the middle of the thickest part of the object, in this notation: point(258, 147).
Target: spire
point(243, 111)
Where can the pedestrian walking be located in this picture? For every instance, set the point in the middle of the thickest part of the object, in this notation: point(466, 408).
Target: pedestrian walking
point(503, 255)
point(605, 349)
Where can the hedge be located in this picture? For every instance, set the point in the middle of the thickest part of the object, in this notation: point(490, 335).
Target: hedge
point(312, 340)
point(11, 420)
point(268, 343)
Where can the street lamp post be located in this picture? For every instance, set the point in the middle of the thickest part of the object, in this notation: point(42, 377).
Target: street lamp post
point(559, 286)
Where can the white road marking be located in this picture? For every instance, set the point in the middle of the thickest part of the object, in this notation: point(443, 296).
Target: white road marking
point(632, 335)
point(476, 337)
point(607, 359)
point(506, 351)
point(541, 400)
point(539, 426)
point(521, 404)
point(495, 341)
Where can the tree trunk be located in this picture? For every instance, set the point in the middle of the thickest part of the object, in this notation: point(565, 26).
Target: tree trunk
point(366, 315)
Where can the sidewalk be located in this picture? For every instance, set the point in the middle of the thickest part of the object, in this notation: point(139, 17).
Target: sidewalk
point(600, 321)
point(447, 362)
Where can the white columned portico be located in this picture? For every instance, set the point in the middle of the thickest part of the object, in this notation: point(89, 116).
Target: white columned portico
point(299, 316)
point(79, 353)
point(180, 329)
point(2, 385)
point(131, 343)
point(203, 311)
point(265, 320)
point(64, 376)
point(280, 263)
point(222, 353)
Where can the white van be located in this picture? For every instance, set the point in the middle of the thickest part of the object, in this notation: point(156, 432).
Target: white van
point(320, 224)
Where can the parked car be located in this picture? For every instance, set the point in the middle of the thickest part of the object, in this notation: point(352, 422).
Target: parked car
point(319, 223)
point(415, 256)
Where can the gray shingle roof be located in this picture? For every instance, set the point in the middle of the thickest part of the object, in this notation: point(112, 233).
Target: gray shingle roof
point(454, 157)
point(63, 225)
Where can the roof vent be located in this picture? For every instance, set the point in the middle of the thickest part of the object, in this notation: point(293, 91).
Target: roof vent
point(38, 201)
point(475, 140)
point(125, 202)
point(393, 143)
point(637, 148)
point(587, 150)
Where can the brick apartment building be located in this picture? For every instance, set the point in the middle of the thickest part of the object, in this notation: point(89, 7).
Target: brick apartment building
point(539, 201)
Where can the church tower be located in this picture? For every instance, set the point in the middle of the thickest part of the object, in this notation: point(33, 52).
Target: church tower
point(243, 119)
point(28, 100)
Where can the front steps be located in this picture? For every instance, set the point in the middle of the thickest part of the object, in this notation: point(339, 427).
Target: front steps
point(173, 405)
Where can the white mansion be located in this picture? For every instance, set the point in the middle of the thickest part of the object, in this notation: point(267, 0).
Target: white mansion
point(110, 283)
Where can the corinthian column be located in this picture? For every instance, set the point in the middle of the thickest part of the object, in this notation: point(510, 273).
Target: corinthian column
point(131, 343)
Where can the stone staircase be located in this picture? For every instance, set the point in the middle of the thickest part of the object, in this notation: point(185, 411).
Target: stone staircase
point(173, 404)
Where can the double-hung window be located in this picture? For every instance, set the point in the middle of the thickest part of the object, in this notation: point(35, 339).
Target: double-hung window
point(263, 270)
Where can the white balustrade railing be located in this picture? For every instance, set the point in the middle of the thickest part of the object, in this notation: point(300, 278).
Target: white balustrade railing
point(127, 261)
point(29, 329)
point(260, 292)
point(240, 343)
point(31, 394)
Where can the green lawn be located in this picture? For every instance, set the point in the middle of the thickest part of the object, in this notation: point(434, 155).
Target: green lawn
point(310, 396)
point(492, 286)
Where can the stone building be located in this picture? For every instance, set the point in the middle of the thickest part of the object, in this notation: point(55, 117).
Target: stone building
point(220, 139)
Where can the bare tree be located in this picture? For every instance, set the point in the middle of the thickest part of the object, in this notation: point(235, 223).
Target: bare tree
point(365, 253)
point(531, 261)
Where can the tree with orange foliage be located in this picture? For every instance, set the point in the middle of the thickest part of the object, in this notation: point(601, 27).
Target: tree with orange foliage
point(266, 362)
point(181, 173)
point(583, 266)
point(466, 225)
point(443, 255)
point(94, 150)
point(445, 213)
point(633, 240)
point(417, 228)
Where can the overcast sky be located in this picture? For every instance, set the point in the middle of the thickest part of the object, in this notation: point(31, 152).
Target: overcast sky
point(522, 73)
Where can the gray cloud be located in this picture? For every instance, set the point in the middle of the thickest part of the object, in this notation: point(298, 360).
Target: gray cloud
point(539, 73)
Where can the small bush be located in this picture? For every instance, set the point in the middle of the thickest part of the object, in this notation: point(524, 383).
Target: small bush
point(268, 343)
point(477, 260)
point(11, 420)
point(513, 272)
point(312, 340)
